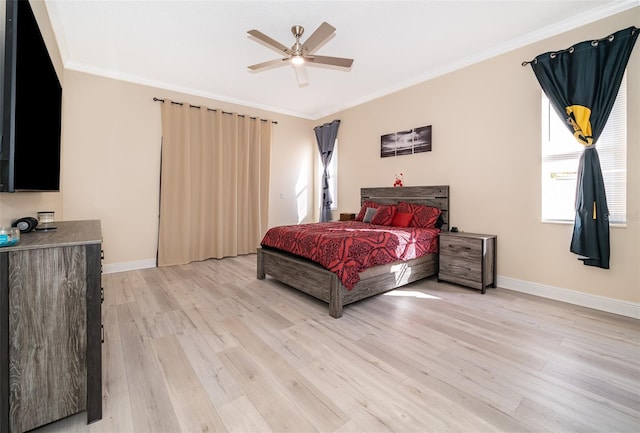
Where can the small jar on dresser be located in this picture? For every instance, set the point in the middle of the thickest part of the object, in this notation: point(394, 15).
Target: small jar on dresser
point(468, 259)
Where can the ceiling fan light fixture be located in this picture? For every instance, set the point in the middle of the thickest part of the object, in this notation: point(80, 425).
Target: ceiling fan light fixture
point(301, 54)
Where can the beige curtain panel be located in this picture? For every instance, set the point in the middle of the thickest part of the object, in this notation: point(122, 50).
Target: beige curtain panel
point(214, 187)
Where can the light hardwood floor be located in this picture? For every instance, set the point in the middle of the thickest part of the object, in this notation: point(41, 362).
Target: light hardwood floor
point(207, 347)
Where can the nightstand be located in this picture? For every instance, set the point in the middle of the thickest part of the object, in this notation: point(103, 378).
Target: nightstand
point(347, 216)
point(468, 259)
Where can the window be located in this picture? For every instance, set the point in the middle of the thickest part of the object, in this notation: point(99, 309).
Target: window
point(333, 178)
point(560, 155)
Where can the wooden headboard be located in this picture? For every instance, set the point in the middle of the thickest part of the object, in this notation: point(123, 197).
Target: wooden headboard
point(436, 196)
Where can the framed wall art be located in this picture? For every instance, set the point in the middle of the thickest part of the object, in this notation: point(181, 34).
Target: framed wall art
point(416, 140)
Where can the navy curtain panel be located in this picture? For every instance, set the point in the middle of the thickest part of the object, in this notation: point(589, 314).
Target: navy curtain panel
point(326, 136)
point(582, 83)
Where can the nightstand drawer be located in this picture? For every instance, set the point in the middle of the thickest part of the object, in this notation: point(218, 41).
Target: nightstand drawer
point(466, 269)
point(457, 274)
point(464, 248)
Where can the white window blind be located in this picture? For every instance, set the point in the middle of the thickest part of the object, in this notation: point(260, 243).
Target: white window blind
point(560, 155)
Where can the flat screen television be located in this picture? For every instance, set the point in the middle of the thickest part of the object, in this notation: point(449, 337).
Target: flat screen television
point(31, 105)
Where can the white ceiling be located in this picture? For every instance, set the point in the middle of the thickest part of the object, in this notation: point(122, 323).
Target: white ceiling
point(202, 47)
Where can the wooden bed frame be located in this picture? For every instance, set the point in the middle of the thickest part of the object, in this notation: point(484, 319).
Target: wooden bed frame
point(313, 279)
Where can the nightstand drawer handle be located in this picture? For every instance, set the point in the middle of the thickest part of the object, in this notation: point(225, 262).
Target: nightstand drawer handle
point(460, 247)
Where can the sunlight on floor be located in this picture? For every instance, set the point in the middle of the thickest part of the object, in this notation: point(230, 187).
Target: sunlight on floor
point(410, 294)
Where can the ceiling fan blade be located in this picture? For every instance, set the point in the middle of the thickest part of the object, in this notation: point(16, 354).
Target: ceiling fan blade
point(301, 75)
point(272, 43)
point(318, 37)
point(332, 61)
point(270, 63)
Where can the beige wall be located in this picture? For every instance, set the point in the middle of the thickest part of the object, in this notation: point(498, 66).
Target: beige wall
point(111, 161)
point(111, 164)
point(486, 146)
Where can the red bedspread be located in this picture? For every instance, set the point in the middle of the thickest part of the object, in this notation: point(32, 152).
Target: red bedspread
point(348, 248)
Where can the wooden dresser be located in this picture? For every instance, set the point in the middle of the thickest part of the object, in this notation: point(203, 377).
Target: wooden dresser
point(468, 259)
point(51, 326)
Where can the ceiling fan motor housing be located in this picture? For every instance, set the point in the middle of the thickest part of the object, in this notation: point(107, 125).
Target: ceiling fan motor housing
point(297, 31)
point(297, 48)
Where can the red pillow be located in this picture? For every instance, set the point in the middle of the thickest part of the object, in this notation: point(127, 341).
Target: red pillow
point(363, 209)
point(401, 219)
point(384, 215)
point(423, 216)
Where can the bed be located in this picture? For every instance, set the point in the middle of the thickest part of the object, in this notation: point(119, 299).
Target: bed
point(317, 281)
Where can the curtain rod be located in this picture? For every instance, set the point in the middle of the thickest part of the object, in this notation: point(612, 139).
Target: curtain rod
point(213, 109)
point(594, 43)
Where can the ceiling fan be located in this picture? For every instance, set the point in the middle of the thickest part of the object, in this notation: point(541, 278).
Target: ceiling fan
point(301, 54)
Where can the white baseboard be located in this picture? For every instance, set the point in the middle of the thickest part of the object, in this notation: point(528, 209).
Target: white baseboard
point(611, 305)
point(112, 268)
